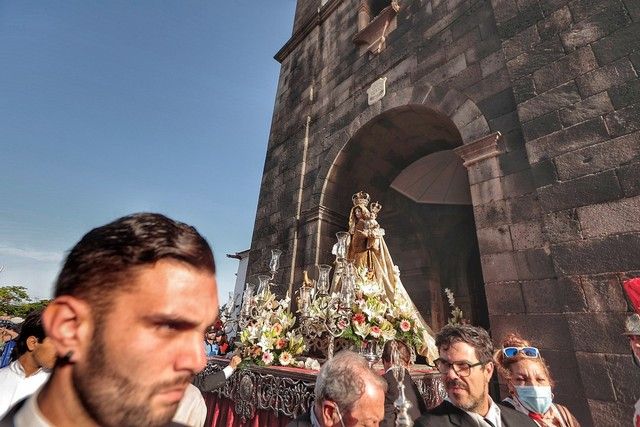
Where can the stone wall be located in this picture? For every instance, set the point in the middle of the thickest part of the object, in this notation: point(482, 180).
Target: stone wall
point(573, 65)
point(555, 194)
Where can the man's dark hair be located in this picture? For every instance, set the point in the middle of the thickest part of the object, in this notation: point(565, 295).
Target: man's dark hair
point(476, 337)
point(32, 327)
point(403, 351)
point(105, 259)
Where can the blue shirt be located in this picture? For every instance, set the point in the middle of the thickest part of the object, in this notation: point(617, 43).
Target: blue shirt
point(6, 353)
point(211, 349)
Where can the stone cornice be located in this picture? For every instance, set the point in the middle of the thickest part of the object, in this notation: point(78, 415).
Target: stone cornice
point(324, 214)
point(304, 30)
point(480, 149)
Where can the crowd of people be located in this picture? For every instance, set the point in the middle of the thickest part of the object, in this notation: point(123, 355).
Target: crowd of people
point(348, 392)
point(216, 342)
point(133, 321)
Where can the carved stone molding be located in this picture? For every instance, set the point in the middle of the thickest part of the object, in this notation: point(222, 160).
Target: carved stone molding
point(480, 149)
point(373, 36)
point(324, 214)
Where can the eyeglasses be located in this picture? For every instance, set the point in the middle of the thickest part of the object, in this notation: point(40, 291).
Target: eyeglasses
point(530, 352)
point(462, 369)
point(340, 415)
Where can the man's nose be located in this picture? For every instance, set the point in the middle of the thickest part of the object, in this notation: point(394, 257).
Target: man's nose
point(451, 373)
point(192, 357)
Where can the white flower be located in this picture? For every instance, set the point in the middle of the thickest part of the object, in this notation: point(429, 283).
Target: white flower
point(285, 358)
point(312, 364)
point(371, 288)
point(266, 343)
point(450, 298)
point(388, 334)
point(361, 329)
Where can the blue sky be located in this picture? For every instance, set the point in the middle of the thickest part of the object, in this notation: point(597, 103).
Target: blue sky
point(109, 108)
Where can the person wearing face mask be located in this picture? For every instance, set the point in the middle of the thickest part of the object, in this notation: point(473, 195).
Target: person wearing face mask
point(529, 383)
point(632, 331)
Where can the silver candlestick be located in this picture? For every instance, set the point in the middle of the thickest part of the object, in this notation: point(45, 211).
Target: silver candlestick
point(402, 404)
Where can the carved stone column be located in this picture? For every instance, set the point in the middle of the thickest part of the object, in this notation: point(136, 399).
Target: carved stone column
point(481, 160)
point(481, 149)
point(364, 14)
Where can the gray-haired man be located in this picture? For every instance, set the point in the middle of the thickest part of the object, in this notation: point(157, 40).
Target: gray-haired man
point(347, 393)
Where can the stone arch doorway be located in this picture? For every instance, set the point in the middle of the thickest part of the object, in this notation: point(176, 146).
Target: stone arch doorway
point(434, 244)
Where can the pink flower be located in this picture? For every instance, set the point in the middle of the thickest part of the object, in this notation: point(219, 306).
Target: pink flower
point(375, 331)
point(342, 324)
point(359, 318)
point(267, 358)
point(405, 325)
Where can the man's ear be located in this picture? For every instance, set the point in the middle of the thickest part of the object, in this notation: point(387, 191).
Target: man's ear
point(31, 343)
point(69, 323)
point(329, 414)
point(490, 367)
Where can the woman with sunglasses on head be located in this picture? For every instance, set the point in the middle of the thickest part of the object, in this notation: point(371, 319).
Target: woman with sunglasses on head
point(529, 382)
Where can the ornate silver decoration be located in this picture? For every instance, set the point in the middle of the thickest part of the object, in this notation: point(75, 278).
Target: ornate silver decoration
point(289, 392)
point(254, 387)
point(431, 387)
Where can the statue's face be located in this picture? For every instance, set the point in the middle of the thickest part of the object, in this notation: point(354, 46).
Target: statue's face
point(358, 213)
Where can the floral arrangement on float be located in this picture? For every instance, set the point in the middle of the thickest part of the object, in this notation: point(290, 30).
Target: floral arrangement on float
point(374, 319)
point(268, 339)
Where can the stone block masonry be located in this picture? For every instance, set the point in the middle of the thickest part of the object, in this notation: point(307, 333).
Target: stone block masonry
point(554, 197)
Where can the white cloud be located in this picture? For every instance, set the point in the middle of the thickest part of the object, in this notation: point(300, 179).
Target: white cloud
point(30, 254)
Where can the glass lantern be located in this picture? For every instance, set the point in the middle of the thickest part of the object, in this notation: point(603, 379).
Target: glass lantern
point(341, 248)
point(274, 262)
point(323, 279)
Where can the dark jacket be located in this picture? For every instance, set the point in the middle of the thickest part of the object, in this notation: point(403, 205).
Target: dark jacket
point(303, 420)
point(447, 414)
point(411, 392)
point(210, 382)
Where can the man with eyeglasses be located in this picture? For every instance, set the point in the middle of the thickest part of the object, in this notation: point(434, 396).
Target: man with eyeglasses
point(466, 366)
point(347, 394)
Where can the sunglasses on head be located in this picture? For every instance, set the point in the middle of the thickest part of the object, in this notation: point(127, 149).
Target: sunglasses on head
point(531, 352)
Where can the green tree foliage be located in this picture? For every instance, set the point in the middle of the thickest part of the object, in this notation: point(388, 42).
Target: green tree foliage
point(15, 301)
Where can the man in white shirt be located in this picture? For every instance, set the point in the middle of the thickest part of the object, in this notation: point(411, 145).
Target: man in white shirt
point(36, 356)
point(192, 410)
point(131, 305)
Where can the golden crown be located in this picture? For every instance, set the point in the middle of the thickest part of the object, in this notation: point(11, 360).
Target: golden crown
point(375, 207)
point(360, 198)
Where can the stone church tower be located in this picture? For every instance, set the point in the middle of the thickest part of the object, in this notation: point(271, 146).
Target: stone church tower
point(502, 138)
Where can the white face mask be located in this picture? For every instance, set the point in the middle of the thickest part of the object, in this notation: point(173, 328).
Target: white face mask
point(537, 399)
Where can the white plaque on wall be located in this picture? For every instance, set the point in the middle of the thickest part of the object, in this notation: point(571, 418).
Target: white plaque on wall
point(377, 90)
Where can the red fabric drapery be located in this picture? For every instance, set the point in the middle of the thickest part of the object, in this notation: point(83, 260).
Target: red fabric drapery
point(220, 413)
